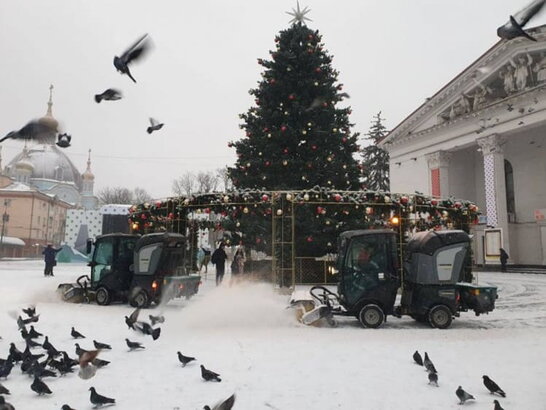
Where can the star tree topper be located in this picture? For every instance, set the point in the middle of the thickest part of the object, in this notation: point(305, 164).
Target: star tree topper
point(298, 14)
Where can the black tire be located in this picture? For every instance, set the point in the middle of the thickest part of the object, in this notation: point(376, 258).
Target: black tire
point(440, 317)
point(103, 296)
point(140, 300)
point(371, 316)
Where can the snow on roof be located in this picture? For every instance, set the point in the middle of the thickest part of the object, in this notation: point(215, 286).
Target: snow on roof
point(10, 240)
point(114, 209)
point(18, 186)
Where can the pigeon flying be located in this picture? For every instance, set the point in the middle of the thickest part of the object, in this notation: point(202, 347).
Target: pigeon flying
point(99, 345)
point(433, 379)
point(110, 94)
point(134, 345)
point(133, 53)
point(227, 404)
point(514, 27)
point(34, 130)
point(76, 335)
point(99, 400)
point(463, 396)
point(131, 320)
point(497, 405)
point(87, 369)
point(209, 375)
point(30, 311)
point(63, 140)
point(492, 386)
point(156, 319)
point(40, 387)
point(4, 405)
point(148, 330)
point(418, 359)
point(184, 359)
point(154, 126)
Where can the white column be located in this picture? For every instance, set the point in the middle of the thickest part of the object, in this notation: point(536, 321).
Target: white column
point(495, 184)
point(438, 166)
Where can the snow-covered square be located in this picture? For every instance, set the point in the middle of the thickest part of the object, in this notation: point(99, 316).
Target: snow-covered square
point(245, 333)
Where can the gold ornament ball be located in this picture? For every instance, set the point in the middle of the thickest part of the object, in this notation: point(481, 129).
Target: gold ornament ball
point(309, 124)
point(279, 212)
point(285, 162)
point(334, 130)
point(316, 83)
point(329, 159)
point(304, 132)
point(238, 224)
point(248, 164)
point(306, 197)
point(226, 198)
point(245, 210)
point(259, 154)
point(186, 201)
point(288, 197)
point(268, 135)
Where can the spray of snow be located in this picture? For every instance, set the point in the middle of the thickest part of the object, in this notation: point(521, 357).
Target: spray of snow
point(245, 305)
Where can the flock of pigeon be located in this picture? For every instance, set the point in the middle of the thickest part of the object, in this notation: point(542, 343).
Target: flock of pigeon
point(52, 362)
point(462, 395)
point(36, 129)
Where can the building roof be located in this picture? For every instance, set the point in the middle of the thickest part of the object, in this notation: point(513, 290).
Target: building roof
point(10, 240)
point(48, 162)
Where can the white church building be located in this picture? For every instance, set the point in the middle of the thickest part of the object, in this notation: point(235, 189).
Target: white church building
point(482, 137)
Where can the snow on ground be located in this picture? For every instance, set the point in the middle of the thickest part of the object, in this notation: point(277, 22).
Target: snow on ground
point(245, 333)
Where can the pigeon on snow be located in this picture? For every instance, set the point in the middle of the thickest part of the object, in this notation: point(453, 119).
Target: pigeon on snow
point(492, 386)
point(134, 345)
point(99, 400)
point(99, 345)
point(433, 379)
point(110, 94)
point(133, 53)
point(463, 396)
point(227, 404)
point(514, 27)
point(40, 387)
point(428, 364)
point(184, 359)
point(30, 311)
point(75, 334)
point(417, 358)
point(3, 390)
point(66, 407)
point(5, 405)
point(209, 375)
point(497, 405)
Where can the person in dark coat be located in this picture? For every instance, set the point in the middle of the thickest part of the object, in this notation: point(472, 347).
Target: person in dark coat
point(49, 258)
point(503, 259)
point(219, 259)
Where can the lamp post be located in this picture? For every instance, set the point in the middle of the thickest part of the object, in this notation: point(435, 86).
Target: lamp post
point(5, 219)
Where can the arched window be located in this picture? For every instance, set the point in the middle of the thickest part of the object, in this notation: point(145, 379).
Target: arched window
point(510, 192)
point(59, 173)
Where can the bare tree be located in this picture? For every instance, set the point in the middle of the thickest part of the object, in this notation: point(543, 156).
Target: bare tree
point(115, 195)
point(120, 195)
point(184, 185)
point(140, 196)
point(206, 181)
point(223, 178)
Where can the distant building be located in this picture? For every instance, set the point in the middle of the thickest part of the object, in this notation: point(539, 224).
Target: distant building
point(482, 137)
point(40, 186)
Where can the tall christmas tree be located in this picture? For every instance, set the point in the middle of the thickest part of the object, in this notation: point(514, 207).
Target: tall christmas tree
point(375, 160)
point(296, 137)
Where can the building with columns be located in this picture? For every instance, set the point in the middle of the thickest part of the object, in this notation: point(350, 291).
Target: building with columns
point(482, 137)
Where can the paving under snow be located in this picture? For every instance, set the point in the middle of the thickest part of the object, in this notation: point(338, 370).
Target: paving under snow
point(245, 333)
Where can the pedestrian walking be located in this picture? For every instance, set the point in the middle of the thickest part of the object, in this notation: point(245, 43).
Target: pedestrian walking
point(50, 259)
point(219, 259)
point(503, 259)
point(206, 259)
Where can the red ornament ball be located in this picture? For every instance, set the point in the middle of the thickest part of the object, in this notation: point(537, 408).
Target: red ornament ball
point(265, 197)
point(267, 163)
point(318, 70)
point(291, 97)
point(309, 239)
point(337, 197)
point(404, 200)
point(344, 139)
point(433, 202)
point(283, 128)
point(285, 151)
point(314, 147)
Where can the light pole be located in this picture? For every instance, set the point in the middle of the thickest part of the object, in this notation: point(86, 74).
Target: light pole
point(5, 219)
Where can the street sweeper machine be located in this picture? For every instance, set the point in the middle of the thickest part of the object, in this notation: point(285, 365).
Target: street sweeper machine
point(140, 269)
point(375, 270)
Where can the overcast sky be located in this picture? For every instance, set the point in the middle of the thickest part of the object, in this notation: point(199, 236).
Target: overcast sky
point(391, 55)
